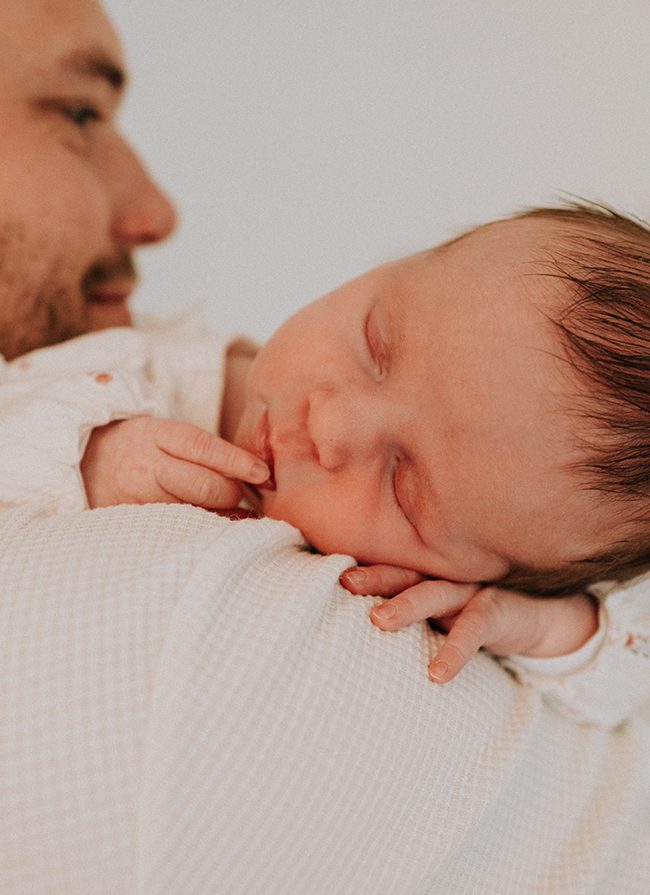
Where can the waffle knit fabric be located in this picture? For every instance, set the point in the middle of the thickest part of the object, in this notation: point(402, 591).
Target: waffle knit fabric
point(190, 706)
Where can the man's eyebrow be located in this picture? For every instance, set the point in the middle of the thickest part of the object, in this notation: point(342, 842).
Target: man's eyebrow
point(94, 63)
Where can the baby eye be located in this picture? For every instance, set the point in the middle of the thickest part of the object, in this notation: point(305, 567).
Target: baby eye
point(398, 502)
point(376, 348)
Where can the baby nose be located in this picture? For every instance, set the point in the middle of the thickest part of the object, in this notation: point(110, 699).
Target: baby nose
point(339, 432)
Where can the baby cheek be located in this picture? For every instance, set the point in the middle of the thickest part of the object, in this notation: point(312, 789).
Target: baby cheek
point(331, 523)
point(333, 533)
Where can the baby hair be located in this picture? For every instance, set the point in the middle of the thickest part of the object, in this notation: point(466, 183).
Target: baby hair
point(603, 257)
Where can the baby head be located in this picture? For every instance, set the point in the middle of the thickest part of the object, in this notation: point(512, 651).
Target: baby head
point(479, 411)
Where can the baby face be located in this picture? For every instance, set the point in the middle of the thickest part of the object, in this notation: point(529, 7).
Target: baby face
point(419, 415)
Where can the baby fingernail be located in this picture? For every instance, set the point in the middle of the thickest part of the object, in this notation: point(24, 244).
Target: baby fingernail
point(259, 471)
point(438, 671)
point(384, 612)
point(355, 577)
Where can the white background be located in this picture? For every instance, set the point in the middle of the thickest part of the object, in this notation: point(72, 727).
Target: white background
point(306, 141)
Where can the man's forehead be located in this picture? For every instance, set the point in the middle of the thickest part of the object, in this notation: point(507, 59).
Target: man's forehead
point(47, 31)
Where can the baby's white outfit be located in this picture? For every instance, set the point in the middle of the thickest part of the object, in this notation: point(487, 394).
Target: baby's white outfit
point(52, 398)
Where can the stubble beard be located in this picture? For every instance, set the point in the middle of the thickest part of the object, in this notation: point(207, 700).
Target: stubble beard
point(44, 304)
point(32, 318)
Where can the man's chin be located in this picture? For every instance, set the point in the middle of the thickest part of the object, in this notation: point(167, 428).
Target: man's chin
point(107, 314)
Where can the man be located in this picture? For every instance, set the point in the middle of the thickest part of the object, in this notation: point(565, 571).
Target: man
point(76, 201)
point(194, 706)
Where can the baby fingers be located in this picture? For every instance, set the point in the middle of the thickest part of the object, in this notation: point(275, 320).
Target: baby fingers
point(428, 599)
point(380, 580)
point(187, 442)
point(191, 483)
point(480, 619)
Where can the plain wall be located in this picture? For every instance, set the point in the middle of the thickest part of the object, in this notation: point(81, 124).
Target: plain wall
point(306, 141)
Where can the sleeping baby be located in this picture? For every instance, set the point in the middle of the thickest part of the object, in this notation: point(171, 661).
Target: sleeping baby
point(470, 423)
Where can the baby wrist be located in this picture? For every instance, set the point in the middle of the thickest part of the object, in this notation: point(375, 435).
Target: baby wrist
point(573, 645)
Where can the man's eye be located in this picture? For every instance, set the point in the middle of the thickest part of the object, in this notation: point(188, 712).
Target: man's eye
point(81, 114)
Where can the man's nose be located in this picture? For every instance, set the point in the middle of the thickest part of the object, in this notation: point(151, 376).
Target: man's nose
point(142, 213)
point(342, 426)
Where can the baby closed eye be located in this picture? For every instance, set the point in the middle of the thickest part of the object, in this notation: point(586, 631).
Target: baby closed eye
point(400, 495)
point(376, 345)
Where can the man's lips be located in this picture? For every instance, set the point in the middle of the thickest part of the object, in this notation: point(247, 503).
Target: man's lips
point(110, 293)
point(111, 280)
point(107, 303)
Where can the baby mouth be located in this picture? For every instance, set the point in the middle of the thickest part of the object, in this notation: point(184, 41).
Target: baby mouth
point(262, 447)
point(254, 495)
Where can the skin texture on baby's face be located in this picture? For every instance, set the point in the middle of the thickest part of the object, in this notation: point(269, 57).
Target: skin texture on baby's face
point(420, 414)
point(75, 201)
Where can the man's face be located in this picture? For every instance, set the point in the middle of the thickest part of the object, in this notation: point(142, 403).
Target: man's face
point(419, 415)
point(75, 201)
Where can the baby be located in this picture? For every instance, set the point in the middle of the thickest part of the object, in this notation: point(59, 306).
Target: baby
point(472, 414)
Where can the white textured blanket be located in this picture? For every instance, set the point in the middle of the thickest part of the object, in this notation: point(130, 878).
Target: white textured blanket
point(193, 706)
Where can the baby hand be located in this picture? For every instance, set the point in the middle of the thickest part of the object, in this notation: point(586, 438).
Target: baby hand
point(151, 460)
point(504, 621)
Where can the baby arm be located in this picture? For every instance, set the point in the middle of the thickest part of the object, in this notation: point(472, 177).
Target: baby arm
point(504, 621)
point(45, 424)
point(151, 460)
point(590, 658)
point(90, 439)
